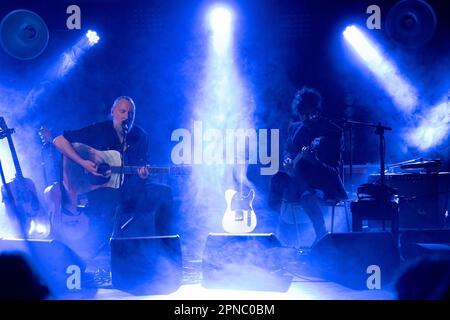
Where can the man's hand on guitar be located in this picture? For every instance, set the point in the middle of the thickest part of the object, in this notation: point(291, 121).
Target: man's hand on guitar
point(309, 155)
point(289, 166)
point(287, 162)
point(90, 167)
point(143, 172)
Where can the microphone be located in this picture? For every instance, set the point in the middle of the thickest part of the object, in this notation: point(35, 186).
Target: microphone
point(125, 127)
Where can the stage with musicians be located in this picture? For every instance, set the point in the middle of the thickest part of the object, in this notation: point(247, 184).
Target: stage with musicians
point(229, 150)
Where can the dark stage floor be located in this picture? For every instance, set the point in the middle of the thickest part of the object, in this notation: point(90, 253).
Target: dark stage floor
point(298, 283)
point(261, 269)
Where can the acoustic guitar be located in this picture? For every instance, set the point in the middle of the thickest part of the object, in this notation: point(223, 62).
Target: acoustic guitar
point(20, 195)
point(329, 182)
point(68, 222)
point(109, 166)
point(50, 156)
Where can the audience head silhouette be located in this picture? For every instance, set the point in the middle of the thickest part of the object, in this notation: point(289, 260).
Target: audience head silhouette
point(425, 279)
point(18, 281)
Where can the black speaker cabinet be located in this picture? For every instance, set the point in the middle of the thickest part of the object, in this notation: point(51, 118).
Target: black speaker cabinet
point(423, 198)
point(51, 260)
point(242, 261)
point(147, 265)
point(345, 257)
point(419, 243)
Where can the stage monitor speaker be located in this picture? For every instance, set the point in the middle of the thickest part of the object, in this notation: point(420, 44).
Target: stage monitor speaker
point(242, 261)
point(60, 268)
point(351, 258)
point(435, 250)
point(146, 265)
point(413, 243)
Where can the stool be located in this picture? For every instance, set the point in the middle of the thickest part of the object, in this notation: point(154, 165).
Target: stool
point(375, 210)
point(333, 205)
point(292, 218)
point(292, 213)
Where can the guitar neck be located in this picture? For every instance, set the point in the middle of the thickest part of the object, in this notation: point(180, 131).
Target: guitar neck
point(134, 169)
point(15, 159)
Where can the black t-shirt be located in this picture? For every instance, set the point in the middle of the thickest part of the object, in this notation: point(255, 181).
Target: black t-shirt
point(102, 136)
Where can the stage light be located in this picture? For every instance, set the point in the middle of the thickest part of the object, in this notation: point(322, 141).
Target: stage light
point(220, 19)
point(92, 37)
point(220, 22)
point(403, 94)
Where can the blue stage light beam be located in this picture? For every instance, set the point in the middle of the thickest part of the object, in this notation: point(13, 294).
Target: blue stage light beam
point(433, 129)
point(400, 90)
point(62, 66)
point(221, 105)
point(71, 56)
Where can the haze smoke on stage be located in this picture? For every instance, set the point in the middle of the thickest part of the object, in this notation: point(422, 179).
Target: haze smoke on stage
point(12, 103)
point(14, 107)
point(433, 127)
point(419, 115)
point(28, 150)
point(220, 101)
point(245, 261)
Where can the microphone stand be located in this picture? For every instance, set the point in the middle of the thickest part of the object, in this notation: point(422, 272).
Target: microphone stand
point(384, 190)
point(379, 130)
point(119, 208)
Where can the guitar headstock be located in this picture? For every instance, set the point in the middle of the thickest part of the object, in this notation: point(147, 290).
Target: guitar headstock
point(4, 130)
point(3, 125)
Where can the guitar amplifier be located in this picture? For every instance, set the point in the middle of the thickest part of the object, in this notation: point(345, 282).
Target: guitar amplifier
point(423, 198)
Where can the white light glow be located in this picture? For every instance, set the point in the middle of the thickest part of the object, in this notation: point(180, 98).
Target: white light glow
point(220, 22)
point(433, 128)
point(403, 94)
point(93, 37)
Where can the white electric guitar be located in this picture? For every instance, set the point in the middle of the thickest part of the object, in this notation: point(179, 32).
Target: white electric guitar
point(239, 216)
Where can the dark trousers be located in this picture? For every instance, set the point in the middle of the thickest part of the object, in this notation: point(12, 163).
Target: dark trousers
point(135, 211)
point(283, 187)
point(148, 210)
